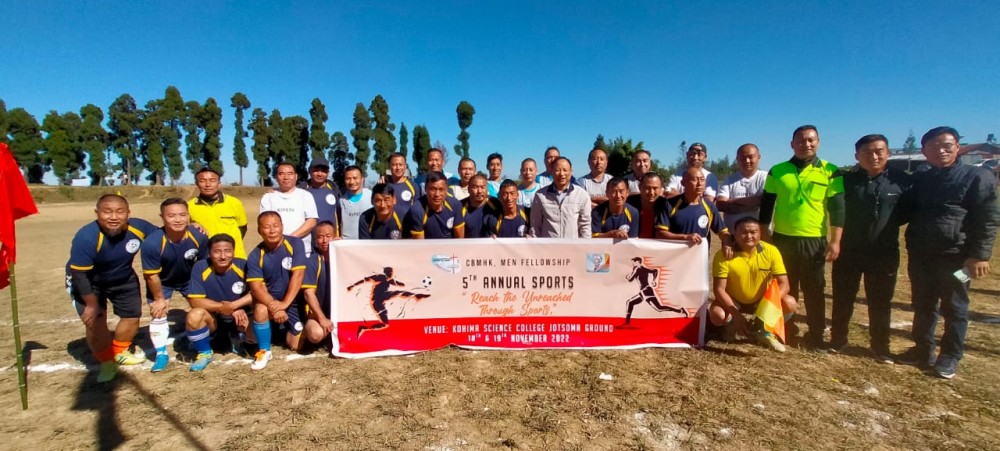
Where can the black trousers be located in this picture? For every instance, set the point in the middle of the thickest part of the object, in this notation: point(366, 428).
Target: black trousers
point(805, 261)
point(879, 268)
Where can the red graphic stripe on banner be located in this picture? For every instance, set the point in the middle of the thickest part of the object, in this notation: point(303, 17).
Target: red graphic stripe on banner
point(412, 335)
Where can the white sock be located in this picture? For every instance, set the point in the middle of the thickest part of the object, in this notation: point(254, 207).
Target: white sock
point(159, 330)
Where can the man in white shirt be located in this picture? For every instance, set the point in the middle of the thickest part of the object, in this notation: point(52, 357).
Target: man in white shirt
point(353, 203)
point(740, 194)
point(596, 182)
point(460, 189)
point(697, 155)
point(642, 162)
point(296, 207)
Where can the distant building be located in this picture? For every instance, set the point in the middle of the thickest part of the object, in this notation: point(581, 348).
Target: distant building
point(975, 153)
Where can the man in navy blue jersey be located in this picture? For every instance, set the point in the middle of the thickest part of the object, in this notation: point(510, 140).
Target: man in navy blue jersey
point(512, 221)
point(614, 218)
point(316, 286)
point(275, 271)
point(384, 221)
point(220, 299)
point(100, 270)
point(477, 207)
point(168, 254)
point(436, 215)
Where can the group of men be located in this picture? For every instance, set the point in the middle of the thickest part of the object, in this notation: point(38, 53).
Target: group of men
point(818, 215)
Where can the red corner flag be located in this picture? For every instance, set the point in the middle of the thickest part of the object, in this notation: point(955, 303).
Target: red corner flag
point(18, 205)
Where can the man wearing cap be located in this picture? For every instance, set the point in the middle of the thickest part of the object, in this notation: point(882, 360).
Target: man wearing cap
point(697, 155)
point(324, 192)
point(295, 206)
point(216, 212)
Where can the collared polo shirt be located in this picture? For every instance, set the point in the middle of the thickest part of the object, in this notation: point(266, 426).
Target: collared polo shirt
point(801, 196)
point(421, 221)
point(370, 228)
point(107, 260)
point(223, 215)
point(225, 287)
point(747, 274)
point(274, 267)
point(173, 261)
point(603, 221)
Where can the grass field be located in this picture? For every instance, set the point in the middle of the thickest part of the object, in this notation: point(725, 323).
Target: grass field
point(725, 396)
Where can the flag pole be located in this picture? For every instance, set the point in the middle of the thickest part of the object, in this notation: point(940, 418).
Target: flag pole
point(21, 378)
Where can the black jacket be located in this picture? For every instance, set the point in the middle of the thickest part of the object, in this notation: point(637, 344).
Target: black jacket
point(952, 211)
point(871, 219)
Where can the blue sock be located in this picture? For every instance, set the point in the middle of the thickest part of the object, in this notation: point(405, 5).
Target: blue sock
point(789, 317)
point(200, 340)
point(263, 333)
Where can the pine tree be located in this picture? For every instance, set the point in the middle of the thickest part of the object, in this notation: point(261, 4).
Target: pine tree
point(340, 156)
point(403, 137)
point(173, 116)
point(361, 133)
point(124, 126)
point(95, 142)
point(261, 143)
point(464, 111)
point(26, 144)
point(319, 139)
point(421, 145)
point(240, 103)
point(211, 123)
point(151, 132)
point(62, 145)
point(385, 142)
point(191, 122)
point(600, 144)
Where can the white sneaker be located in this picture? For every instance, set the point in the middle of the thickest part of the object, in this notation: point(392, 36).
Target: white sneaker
point(260, 360)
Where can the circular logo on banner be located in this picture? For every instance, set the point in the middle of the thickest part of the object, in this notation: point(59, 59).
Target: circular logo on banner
point(451, 222)
point(520, 230)
point(624, 228)
point(395, 235)
point(191, 254)
point(703, 221)
point(286, 263)
point(331, 199)
point(238, 288)
point(132, 246)
point(406, 195)
point(297, 326)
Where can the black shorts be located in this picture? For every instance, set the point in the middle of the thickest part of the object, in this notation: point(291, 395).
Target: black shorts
point(125, 297)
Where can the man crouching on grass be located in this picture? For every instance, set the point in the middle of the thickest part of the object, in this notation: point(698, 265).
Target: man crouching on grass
point(219, 299)
point(275, 271)
point(740, 283)
point(316, 288)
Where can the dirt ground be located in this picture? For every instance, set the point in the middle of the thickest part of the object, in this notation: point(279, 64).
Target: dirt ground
point(725, 396)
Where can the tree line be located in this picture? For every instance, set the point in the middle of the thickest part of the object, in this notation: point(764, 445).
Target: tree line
point(132, 143)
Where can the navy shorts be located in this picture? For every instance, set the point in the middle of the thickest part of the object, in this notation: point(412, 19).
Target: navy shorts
point(124, 297)
point(296, 313)
point(168, 293)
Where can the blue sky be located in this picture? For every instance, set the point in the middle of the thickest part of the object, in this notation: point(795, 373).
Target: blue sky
point(538, 73)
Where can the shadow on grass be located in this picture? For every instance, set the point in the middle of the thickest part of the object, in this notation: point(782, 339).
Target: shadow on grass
point(102, 399)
